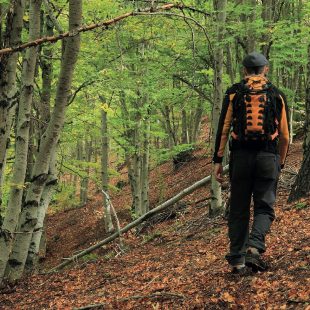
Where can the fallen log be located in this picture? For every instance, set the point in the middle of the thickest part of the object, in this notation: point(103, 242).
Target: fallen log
point(138, 221)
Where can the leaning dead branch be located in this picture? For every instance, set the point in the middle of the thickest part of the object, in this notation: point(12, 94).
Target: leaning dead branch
point(116, 219)
point(139, 220)
point(102, 24)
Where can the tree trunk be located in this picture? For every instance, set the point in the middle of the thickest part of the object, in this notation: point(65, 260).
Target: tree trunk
point(145, 168)
point(108, 223)
point(8, 90)
point(169, 127)
point(196, 122)
point(220, 7)
point(251, 40)
point(32, 258)
point(267, 18)
point(185, 138)
point(22, 137)
point(38, 241)
point(28, 218)
point(291, 124)
point(230, 68)
point(137, 203)
point(86, 151)
point(301, 187)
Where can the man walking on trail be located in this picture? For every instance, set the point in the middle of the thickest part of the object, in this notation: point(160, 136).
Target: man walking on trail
point(255, 115)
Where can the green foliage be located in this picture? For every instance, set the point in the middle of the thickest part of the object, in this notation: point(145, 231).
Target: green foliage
point(152, 69)
point(301, 205)
point(167, 154)
point(64, 198)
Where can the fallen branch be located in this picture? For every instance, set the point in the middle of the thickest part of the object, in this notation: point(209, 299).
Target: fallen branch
point(116, 219)
point(85, 28)
point(139, 220)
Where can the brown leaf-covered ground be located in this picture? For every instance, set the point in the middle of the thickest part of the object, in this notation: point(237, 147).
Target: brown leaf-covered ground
point(175, 264)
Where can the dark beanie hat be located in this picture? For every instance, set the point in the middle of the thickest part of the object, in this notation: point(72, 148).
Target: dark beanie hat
point(254, 59)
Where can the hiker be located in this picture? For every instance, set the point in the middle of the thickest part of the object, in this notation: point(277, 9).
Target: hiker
point(255, 116)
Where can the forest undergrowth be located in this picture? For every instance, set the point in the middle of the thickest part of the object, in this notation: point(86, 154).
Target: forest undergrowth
point(174, 263)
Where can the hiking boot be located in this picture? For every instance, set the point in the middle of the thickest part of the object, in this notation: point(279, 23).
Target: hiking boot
point(240, 269)
point(253, 260)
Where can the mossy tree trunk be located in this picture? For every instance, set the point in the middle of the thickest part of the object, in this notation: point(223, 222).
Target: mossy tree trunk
point(22, 137)
point(44, 112)
point(29, 214)
point(220, 8)
point(8, 89)
point(301, 187)
point(107, 217)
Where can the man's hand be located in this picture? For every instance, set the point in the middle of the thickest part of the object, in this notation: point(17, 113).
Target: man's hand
point(218, 172)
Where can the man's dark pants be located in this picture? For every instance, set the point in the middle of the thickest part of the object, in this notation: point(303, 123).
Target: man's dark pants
point(252, 173)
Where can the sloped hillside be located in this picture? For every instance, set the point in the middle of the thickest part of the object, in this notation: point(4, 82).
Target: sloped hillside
point(177, 263)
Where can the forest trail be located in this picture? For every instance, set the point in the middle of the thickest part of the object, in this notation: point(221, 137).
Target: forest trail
point(176, 264)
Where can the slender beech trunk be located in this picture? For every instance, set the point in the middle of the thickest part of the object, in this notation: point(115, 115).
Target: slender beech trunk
point(108, 223)
point(196, 122)
point(8, 90)
point(291, 124)
point(80, 158)
point(38, 232)
point(28, 218)
point(137, 167)
point(39, 235)
point(145, 168)
point(128, 133)
point(184, 138)
point(85, 149)
point(251, 40)
point(267, 18)
point(169, 126)
point(22, 137)
point(301, 187)
point(229, 66)
point(220, 7)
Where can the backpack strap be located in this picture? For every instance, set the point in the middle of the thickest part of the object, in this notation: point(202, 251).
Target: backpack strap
point(239, 111)
point(272, 115)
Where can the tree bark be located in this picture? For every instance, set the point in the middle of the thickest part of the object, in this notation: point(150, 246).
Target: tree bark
point(38, 241)
point(185, 138)
point(86, 151)
point(267, 18)
point(220, 7)
point(22, 137)
point(8, 90)
point(38, 232)
point(196, 122)
point(107, 216)
point(145, 167)
point(28, 218)
point(137, 161)
point(301, 187)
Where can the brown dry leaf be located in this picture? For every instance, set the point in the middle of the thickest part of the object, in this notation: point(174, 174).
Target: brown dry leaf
point(227, 297)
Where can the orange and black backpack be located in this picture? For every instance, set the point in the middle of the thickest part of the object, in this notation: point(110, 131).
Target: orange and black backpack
point(254, 110)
